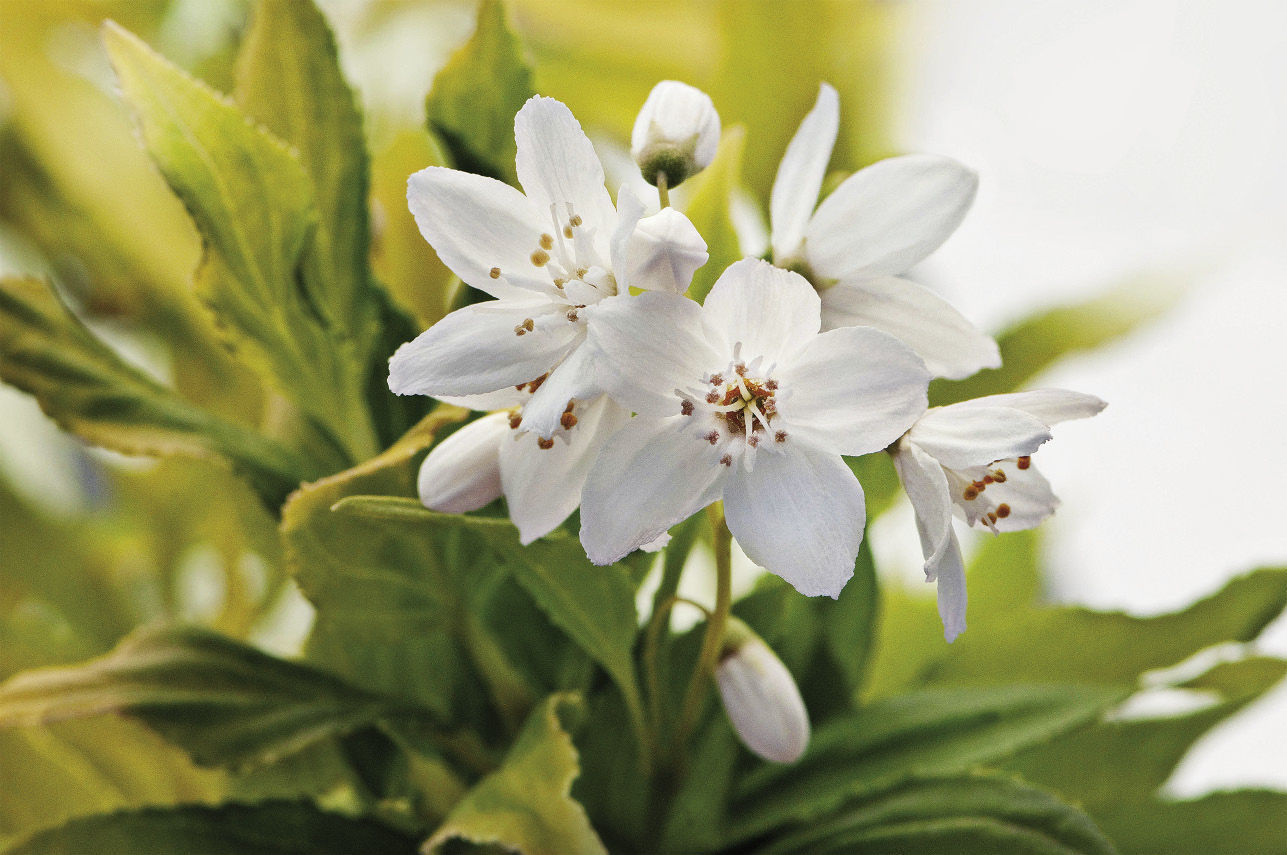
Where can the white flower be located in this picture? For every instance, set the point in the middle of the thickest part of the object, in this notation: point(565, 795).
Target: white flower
point(676, 132)
point(879, 222)
point(548, 257)
point(742, 398)
point(540, 477)
point(975, 456)
point(761, 697)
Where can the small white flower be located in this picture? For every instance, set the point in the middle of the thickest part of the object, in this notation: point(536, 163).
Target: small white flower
point(741, 397)
point(548, 256)
point(676, 132)
point(540, 477)
point(761, 697)
point(879, 222)
point(976, 457)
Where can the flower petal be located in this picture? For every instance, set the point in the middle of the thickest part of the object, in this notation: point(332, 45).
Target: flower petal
point(927, 488)
point(649, 346)
point(462, 473)
point(652, 474)
point(949, 569)
point(543, 485)
point(477, 225)
point(800, 514)
point(557, 165)
point(629, 211)
point(799, 178)
point(887, 217)
point(772, 312)
point(960, 437)
point(951, 346)
point(763, 702)
point(476, 349)
point(853, 391)
point(1050, 405)
point(573, 379)
point(662, 253)
point(487, 402)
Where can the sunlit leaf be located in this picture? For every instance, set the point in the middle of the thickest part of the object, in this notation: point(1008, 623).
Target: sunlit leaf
point(525, 806)
point(93, 393)
point(290, 828)
point(474, 98)
point(224, 702)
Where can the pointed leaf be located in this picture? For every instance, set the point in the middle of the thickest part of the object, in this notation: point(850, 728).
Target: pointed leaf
point(525, 806)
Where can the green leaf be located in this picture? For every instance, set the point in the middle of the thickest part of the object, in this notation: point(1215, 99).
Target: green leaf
point(1225, 823)
point(289, 828)
point(253, 204)
point(709, 210)
point(525, 806)
point(966, 815)
point(476, 95)
point(934, 732)
point(224, 702)
point(289, 79)
point(91, 392)
point(1037, 342)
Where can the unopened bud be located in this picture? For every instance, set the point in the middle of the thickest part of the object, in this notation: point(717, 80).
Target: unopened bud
point(676, 132)
point(760, 697)
point(663, 251)
point(462, 473)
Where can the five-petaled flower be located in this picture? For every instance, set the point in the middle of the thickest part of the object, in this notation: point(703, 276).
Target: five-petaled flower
point(741, 397)
point(548, 256)
point(878, 223)
point(976, 456)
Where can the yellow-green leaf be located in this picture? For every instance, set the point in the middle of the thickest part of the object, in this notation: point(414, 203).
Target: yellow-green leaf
point(709, 208)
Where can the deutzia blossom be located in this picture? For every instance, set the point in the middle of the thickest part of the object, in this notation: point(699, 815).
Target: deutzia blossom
point(879, 222)
point(540, 477)
point(741, 397)
point(676, 132)
point(760, 696)
point(975, 457)
point(548, 256)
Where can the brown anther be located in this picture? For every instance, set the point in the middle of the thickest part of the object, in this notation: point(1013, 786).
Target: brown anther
point(494, 273)
point(571, 406)
point(686, 408)
point(576, 220)
point(547, 242)
point(712, 397)
point(559, 282)
point(533, 385)
point(992, 517)
point(580, 272)
point(999, 475)
point(567, 232)
point(540, 257)
point(545, 443)
point(752, 441)
point(988, 479)
point(717, 379)
point(780, 436)
point(567, 420)
point(520, 330)
point(712, 437)
point(740, 368)
point(572, 316)
point(771, 385)
point(515, 419)
point(1024, 462)
point(731, 396)
point(970, 494)
point(520, 387)
point(979, 485)
point(1003, 510)
point(727, 460)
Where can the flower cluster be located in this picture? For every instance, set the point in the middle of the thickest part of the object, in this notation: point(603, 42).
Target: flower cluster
point(612, 391)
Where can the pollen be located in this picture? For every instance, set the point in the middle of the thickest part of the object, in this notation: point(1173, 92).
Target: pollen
point(559, 282)
point(533, 385)
point(567, 232)
point(712, 397)
point(771, 385)
point(575, 221)
point(1024, 462)
point(1003, 510)
point(740, 368)
point(988, 479)
point(727, 460)
point(526, 327)
point(540, 257)
point(581, 272)
point(494, 273)
point(992, 517)
point(545, 443)
point(686, 408)
point(515, 419)
point(780, 436)
point(568, 421)
point(998, 475)
point(547, 242)
point(717, 379)
point(712, 437)
point(572, 316)
point(970, 494)
point(752, 441)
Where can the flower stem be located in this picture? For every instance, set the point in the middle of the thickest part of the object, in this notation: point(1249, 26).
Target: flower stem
point(663, 189)
point(709, 656)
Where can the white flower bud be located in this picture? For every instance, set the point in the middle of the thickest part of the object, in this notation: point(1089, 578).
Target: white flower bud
point(761, 697)
point(676, 132)
point(663, 251)
point(462, 473)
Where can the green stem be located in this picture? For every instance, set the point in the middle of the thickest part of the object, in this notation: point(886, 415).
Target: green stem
point(722, 541)
point(663, 190)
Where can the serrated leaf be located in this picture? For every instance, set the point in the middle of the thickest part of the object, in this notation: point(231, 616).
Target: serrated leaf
point(253, 204)
point(289, 79)
point(91, 392)
point(222, 701)
point(289, 828)
point(966, 815)
point(526, 806)
point(709, 210)
point(476, 95)
point(934, 732)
